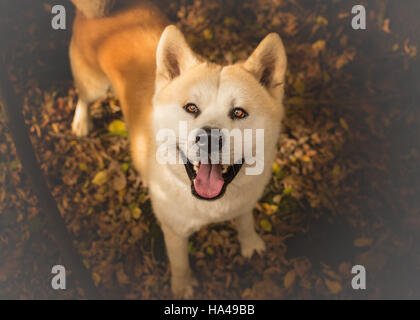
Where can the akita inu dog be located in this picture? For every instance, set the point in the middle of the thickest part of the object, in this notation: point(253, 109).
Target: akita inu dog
point(130, 48)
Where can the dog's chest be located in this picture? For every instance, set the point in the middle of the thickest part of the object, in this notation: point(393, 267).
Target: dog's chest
point(182, 212)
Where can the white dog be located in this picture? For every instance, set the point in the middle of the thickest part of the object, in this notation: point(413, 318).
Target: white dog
point(161, 83)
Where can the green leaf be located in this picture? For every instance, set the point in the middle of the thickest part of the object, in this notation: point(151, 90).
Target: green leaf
point(266, 225)
point(299, 86)
point(336, 170)
point(287, 191)
point(118, 128)
point(191, 247)
point(14, 164)
point(100, 178)
point(208, 35)
point(210, 251)
point(136, 213)
point(125, 166)
point(278, 171)
point(228, 21)
point(288, 205)
point(132, 206)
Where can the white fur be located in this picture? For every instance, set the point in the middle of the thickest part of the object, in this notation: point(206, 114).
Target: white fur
point(216, 90)
point(81, 121)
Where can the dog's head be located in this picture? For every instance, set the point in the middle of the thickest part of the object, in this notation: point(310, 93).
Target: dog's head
point(225, 119)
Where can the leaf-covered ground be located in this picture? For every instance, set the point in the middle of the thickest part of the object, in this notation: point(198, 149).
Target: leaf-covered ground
point(345, 182)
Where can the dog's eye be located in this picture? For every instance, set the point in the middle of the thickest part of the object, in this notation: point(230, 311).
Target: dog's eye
point(192, 108)
point(238, 113)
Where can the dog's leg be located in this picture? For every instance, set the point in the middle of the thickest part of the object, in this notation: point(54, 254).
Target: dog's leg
point(250, 241)
point(182, 281)
point(81, 124)
point(92, 85)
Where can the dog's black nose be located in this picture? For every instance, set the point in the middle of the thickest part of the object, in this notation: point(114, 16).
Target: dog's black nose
point(210, 140)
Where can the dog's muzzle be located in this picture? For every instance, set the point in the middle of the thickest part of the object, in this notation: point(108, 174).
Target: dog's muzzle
point(209, 180)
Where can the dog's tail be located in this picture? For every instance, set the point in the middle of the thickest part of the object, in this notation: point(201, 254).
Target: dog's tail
point(94, 8)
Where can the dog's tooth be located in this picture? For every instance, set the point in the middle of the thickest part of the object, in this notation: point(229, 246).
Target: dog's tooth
point(224, 169)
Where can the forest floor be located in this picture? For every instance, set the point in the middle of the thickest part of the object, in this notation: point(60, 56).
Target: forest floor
point(345, 181)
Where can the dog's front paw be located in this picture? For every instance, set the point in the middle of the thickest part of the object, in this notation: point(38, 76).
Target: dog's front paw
point(81, 124)
point(183, 287)
point(252, 244)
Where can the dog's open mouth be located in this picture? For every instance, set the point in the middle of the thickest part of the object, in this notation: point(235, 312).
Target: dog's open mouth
point(209, 181)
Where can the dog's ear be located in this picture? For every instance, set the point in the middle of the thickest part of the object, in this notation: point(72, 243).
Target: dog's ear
point(173, 55)
point(268, 64)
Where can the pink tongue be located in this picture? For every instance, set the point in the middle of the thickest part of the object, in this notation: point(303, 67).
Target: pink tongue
point(209, 181)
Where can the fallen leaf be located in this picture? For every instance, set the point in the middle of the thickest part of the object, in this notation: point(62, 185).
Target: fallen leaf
point(270, 209)
point(287, 191)
point(299, 86)
point(136, 213)
point(119, 182)
point(266, 225)
point(83, 166)
point(345, 58)
point(96, 278)
point(333, 286)
point(122, 277)
point(207, 34)
point(362, 242)
point(344, 124)
point(322, 21)
point(247, 293)
point(318, 46)
point(289, 279)
point(118, 128)
point(336, 170)
point(100, 178)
